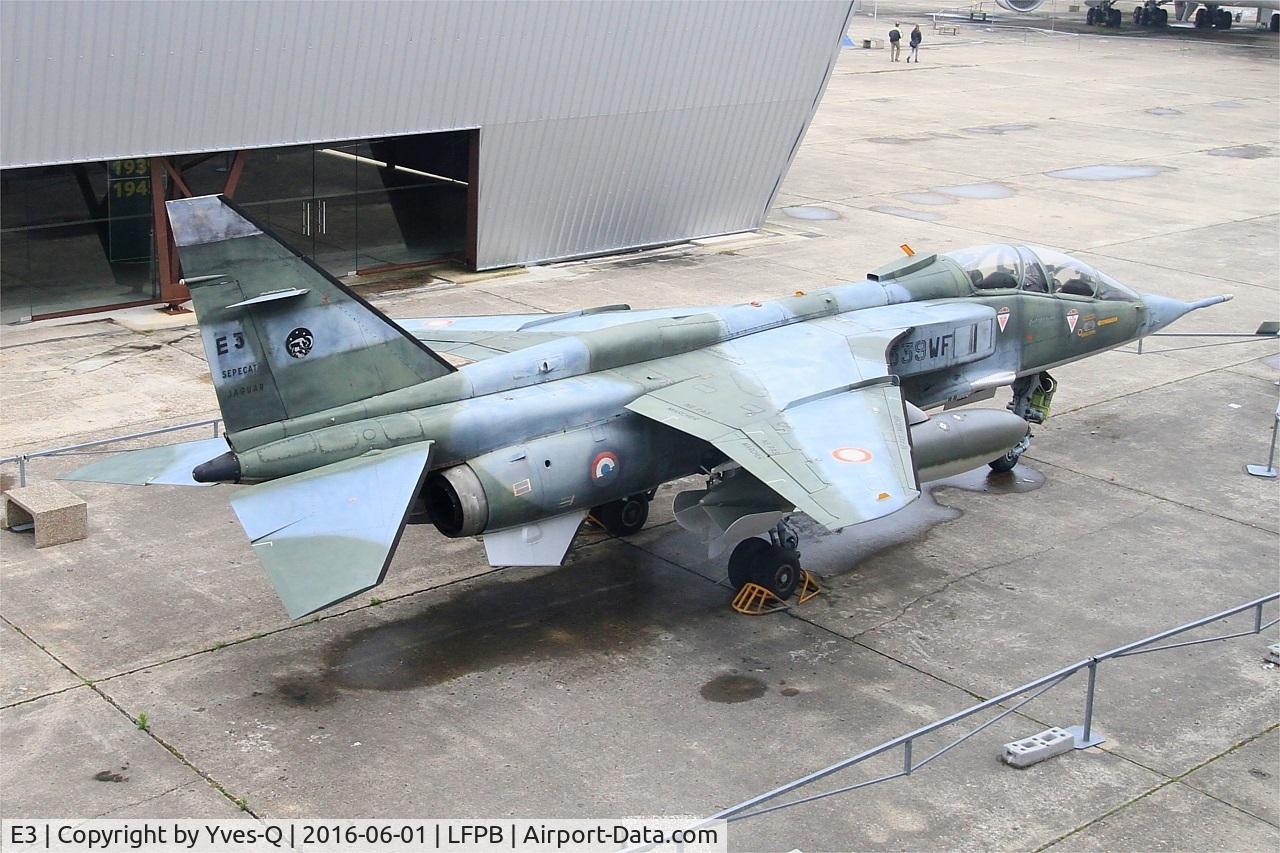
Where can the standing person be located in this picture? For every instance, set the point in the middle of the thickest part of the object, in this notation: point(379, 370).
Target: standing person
point(895, 43)
point(916, 38)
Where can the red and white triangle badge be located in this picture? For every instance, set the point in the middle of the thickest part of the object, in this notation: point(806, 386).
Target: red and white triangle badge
point(1002, 316)
point(1072, 316)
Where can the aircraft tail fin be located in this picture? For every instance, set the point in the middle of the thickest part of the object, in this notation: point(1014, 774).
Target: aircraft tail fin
point(284, 338)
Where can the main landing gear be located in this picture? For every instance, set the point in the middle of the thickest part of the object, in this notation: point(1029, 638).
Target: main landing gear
point(1150, 14)
point(1032, 399)
point(623, 517)
point(772, 563)
point(1212, 16)
point(1104, 14)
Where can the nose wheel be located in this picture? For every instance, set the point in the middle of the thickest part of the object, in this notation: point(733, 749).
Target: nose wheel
point(772, 563)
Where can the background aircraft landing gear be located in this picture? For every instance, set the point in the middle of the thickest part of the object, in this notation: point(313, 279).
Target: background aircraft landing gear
point(1149, 14)
point(1104, 15)
point(773, 563)
point(1219, 19)
point(623, 517)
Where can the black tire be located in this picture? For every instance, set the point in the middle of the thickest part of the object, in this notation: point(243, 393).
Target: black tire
point(625, 517)
point(778, 570)
point(1114, 18)
point(1142, 18)
point(1137, 14)
point(1160, 17)
point(742, 562)
point(1275, 22)
point(1224, 19)
point(1091, 17)
point(1202, 18)
point(1005, 463)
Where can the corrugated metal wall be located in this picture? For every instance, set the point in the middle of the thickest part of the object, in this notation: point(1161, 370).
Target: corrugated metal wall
point(604, 125)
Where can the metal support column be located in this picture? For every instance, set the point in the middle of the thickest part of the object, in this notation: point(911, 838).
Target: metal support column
point(1084, 735)
point(1269, 470)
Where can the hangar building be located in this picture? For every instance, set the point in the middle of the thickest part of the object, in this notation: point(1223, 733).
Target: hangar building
point(376, 134)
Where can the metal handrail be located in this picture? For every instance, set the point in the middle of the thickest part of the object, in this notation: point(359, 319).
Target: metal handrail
point(749, 808)
point(23, 458)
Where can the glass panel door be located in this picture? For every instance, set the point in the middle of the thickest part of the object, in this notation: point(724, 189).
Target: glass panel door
point(278, 189)
point(335, 208)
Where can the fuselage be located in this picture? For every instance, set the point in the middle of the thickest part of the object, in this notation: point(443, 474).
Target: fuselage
point(583, 381)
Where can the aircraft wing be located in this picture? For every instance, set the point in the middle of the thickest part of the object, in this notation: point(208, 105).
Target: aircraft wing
point(823, 426)
point(329, 533)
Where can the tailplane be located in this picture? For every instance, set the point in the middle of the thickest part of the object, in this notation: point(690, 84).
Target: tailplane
point(284, 338)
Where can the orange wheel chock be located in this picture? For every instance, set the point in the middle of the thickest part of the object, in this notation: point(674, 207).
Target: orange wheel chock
point(755, 600)
point(808, 587)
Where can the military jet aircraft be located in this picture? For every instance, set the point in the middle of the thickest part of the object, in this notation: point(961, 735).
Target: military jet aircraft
point(348, 425)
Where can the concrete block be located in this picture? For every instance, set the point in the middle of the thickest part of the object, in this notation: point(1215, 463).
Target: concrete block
point(1034, 749)
point(1273, 654)
point(58, 515)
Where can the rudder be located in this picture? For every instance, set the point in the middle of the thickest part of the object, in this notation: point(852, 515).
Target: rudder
point(284, 338)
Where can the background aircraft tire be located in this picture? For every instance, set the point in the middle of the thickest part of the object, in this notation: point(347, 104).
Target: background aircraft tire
point(1275, 22)
point(624, 517)
point(1202, 17)
point(1114, 18)
point(1137, 14)
point(1005, 463)
point(1160, 17)
point(742, 562)
point(778, 570)
point(1091, 17)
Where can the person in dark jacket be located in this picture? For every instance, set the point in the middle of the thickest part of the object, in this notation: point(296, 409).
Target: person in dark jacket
point(895, 43)
point(916, 38)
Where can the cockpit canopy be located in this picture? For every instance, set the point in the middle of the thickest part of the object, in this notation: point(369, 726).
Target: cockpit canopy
point(1036, 269)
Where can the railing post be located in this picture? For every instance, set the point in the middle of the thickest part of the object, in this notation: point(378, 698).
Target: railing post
point(22, 470)
point(906, 758)
point(1084, 734)
point(1257, 619)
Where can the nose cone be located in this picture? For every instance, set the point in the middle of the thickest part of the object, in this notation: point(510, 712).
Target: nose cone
point(1161, 310)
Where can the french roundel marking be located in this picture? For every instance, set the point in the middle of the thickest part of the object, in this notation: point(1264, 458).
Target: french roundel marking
point(851, 454)
point(604, 466)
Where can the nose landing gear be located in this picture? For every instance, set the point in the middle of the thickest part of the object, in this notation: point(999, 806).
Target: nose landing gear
point(1032, 400)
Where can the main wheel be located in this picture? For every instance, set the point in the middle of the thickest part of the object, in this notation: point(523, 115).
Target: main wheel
point(1275, 23)
point(1137, 14)
point(1113, 18)
point(623, 517)
point(1006, 463)
point(1142, 18)
point(1202, 18)
point(742, 562)
point(1224, 19)
point(1160, 17)
point(778, 570)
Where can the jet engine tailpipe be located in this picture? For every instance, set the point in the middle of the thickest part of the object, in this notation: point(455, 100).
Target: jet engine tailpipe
point(952, 442)
point(456, 501)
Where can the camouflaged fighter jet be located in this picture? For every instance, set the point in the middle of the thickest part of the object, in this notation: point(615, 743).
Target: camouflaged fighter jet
point(350, 425)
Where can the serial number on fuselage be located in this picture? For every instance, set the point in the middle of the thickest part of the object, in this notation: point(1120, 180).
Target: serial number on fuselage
point(909, 352)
